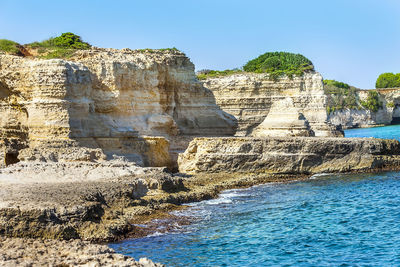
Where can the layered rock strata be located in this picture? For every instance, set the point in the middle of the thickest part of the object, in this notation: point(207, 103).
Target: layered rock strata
point(249, 97)
point(115, 100)
point(295, 155)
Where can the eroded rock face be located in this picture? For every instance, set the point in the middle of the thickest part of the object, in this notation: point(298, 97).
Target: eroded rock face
point(283, 120)
point(156, 93)
point(115, 100)
point(249, 98)
point(292, 155)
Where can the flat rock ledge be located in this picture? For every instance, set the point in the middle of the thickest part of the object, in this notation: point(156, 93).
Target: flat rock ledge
point(290, 155)
point(35, 252)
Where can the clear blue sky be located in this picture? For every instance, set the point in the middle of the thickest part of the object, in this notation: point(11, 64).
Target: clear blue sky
point(347, 40)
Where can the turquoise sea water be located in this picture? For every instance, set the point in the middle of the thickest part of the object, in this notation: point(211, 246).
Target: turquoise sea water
point(330, 220)
point(388, 132)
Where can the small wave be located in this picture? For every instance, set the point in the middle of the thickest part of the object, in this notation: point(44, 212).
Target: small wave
point(316, 176)
point(218, 201)
point(226, 197)
point(157, 234)
point(233, 193)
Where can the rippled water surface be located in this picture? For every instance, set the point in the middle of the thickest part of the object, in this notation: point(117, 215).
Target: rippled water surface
point(330, 220)
point(389, 132)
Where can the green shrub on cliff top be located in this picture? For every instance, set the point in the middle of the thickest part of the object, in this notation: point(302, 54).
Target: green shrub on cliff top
point(336, 84)
point(151, 50)
point(275, 64)
point(388, 80)
point(62, 46)
point(204, 74)
point(9, 46)
point(279, 63)
point(65, 40)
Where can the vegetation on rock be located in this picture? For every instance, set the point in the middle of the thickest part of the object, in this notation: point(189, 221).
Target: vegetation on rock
point(9, 46)
point(343, 96)
point(277, 64)
point(391, 104)
point(62, 46)
point(388, 80)
point(204, 74)
point(340, 96)
point(335, 84)
point(372, 103)
point(150, 50)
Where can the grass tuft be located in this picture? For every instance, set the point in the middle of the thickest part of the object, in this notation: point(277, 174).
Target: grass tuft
point(9, 46)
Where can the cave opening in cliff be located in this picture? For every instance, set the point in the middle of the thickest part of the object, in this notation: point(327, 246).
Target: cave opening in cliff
point(395, 120)
point(11, 158)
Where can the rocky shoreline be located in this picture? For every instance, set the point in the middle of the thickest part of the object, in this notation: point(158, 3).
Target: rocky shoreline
point(91, 147)
point(36, 252)
point(50, 220)
point(387, 114)
point(125, 216)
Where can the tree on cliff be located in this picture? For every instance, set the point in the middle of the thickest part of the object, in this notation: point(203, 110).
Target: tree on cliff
point(388, 80)
point(279, 63)
point(62, 46)
point(69, 40)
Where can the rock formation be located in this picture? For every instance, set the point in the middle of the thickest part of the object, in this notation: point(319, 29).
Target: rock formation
point(249, 97)
point(283, 120)
point(354, 118)
point(113, 100)
point(292, 155)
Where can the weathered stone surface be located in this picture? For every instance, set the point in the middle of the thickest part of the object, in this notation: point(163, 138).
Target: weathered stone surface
point(283, 120)
point(76, 200)
point(156, 93)
point(249, 97)
point(108, 99)
point(295, 155)
point(34, 252)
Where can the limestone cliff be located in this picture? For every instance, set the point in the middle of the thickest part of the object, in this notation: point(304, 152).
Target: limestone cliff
point(353, 118)
point(249, 97)
point(115, 100)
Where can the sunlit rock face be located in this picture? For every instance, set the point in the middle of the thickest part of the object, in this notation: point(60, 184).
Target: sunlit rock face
point(282, 120)
point(291, 155)
point(115, 100)
point(250, 96)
